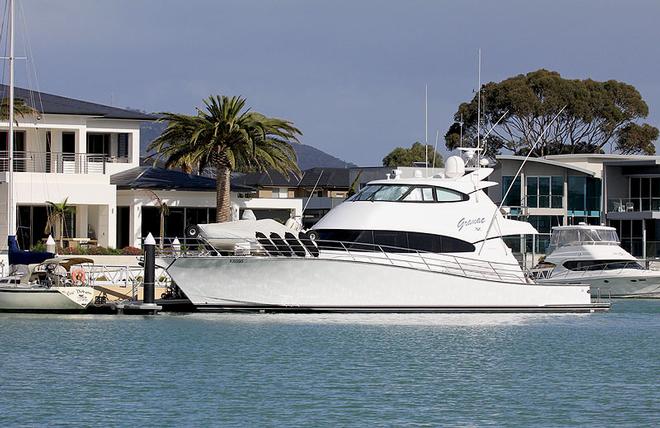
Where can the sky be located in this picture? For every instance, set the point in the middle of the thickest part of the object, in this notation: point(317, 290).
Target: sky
point(349, 74)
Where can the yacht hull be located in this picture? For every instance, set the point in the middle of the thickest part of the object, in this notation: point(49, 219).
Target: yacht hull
point(36, 299)
point(332, 285)
point(623, 285)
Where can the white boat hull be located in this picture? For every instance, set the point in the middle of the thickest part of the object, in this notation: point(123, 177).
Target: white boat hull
point(317, 284)
point(615, 284)
point(16, 298)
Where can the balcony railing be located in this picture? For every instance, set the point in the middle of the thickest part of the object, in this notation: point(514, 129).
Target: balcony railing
point(622, 205)
point(57, 162)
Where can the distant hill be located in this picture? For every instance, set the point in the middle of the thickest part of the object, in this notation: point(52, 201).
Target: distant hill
point(308, 156)
point(311, 157)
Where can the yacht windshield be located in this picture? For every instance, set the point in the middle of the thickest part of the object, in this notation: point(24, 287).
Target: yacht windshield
point(390, 193)
point(407, 193)
point(561, 238)
point(365, 194)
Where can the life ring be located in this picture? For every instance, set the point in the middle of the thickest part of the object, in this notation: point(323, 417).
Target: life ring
point(78, 276)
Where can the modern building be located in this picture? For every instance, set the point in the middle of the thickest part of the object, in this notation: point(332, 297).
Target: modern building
point(632, 196)
point(89, 155)
point(571, 189)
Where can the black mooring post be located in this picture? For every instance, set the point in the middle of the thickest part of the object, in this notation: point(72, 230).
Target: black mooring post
point(149, 269)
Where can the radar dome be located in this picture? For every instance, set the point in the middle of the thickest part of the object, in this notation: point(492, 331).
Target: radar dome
point(454, 167)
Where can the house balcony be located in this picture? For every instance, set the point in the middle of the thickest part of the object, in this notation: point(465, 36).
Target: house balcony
point(633, 208)
point(60, 163)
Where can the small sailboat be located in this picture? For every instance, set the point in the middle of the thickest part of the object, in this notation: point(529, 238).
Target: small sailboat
point(44, 282)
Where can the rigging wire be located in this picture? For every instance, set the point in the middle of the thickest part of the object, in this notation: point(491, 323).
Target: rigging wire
point(522, 165)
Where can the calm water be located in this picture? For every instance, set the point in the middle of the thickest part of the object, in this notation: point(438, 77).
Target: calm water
point(338, 370)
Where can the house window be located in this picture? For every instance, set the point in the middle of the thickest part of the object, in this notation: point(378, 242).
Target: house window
point(122, 145)
point(584, 195)
point(545, 192)
point(513, 198)
point(68, 142)
point(98, 144)
point(280, 192)
point(19, 141)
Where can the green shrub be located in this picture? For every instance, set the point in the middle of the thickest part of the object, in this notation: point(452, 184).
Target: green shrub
point(39, 247)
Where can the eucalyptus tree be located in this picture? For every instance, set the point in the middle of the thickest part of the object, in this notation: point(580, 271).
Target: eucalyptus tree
point(227, 136)
point(599, 117)
point(401, 156)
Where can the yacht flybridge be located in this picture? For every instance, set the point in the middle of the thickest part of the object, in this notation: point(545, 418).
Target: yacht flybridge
point(591, 255)
point(419, 244)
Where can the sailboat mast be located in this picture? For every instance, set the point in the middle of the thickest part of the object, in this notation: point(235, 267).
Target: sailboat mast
point(426, 129)
point(11, 210)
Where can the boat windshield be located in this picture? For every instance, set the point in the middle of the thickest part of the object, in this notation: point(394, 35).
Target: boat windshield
point(407, 193)
point(566, 237)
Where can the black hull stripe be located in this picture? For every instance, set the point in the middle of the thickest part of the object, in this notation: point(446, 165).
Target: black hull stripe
point(596, 307)
point(28, 291)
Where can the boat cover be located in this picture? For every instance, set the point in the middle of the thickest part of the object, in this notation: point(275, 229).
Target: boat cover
point(22, 257)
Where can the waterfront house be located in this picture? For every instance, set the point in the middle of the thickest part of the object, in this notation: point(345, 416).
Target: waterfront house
point(67, 149)
point(89, 154)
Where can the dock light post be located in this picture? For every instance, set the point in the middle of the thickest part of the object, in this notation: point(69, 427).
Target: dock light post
point(149, 269)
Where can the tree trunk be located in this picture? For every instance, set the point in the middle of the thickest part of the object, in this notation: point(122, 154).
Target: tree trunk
point(62, 231)
point(223, 195)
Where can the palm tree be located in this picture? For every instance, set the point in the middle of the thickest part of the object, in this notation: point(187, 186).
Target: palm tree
point(20, 109)
point(56, 215)
point(164, 211)
point(229, 137)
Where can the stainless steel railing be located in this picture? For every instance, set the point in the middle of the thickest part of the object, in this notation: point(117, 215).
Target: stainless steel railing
point(341, 250)
point(57, 162)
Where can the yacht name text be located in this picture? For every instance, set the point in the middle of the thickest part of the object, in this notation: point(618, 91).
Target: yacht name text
point(467, 222)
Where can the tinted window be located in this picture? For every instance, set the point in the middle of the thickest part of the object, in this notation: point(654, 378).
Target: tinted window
point(368, 240)
point(601, 264)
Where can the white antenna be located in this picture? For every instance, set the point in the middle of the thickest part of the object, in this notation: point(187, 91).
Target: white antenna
point(435, 149)
point(11, 215)
point(426, 128)
point(479, 107)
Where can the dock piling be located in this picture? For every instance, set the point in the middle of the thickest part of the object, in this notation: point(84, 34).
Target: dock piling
point(149, 269)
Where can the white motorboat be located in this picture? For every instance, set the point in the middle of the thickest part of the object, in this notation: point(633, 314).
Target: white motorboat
point(592, 255)
point(54, 285)
point(420, 244)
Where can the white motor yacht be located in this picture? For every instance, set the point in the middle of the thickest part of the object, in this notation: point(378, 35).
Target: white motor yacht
point(54, 285)
point(592, 255)
point(419, 244)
